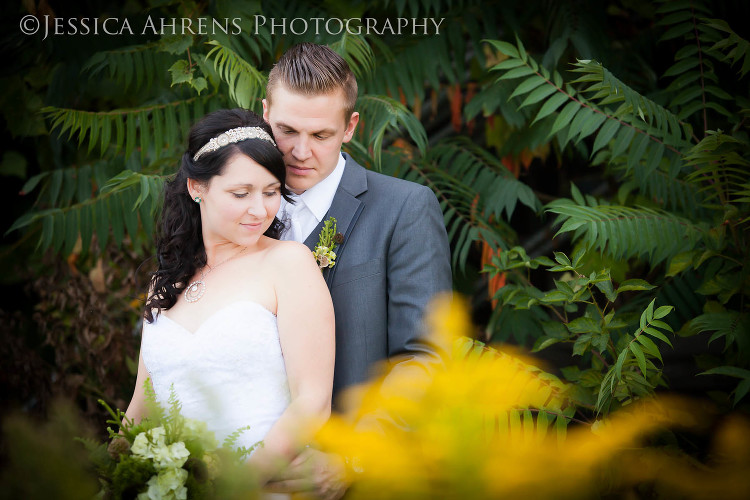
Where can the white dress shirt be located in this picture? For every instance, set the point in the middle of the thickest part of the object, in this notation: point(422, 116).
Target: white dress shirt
point(310, 207)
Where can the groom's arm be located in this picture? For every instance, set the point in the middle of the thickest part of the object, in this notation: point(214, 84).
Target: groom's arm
point(418, 269)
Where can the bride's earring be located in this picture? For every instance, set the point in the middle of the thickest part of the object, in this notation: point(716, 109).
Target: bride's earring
point(197, 199)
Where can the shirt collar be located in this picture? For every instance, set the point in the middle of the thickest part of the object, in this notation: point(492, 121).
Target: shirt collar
point(319, 197)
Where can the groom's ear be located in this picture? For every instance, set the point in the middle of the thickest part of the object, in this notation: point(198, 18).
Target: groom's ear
point(265, 110)
point(351, 127)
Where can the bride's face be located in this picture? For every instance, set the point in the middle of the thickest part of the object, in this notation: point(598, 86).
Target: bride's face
point(239, 205)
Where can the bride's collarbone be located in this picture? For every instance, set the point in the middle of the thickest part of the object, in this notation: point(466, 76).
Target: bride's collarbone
point(220, 292)
point(192, 316)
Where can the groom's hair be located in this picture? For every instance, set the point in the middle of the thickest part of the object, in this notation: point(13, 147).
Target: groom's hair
point(312, 69)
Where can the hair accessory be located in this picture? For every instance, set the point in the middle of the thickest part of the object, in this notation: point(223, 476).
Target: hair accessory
point(197, 288)
point(197, 199)
point(231, 136)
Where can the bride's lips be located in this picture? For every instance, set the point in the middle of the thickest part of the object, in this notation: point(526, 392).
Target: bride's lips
point(253, 225)
point(297, 170)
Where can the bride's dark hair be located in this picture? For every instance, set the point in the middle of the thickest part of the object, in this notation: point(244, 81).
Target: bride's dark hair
point(179, 243)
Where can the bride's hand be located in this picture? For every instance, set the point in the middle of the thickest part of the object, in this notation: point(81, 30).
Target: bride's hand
point(313, 471)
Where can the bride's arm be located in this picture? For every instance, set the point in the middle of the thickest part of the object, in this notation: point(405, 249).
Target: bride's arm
point(306, 332)
point(137, 407)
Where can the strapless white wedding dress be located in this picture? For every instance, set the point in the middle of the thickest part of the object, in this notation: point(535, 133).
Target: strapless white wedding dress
point(229, 373)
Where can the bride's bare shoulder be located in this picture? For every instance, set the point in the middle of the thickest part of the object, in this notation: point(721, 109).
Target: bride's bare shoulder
point(290, 252)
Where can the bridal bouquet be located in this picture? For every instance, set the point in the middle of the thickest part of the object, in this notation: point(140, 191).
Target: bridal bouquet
point(167, 456)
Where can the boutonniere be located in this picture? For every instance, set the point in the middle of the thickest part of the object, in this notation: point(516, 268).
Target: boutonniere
point(327, 242)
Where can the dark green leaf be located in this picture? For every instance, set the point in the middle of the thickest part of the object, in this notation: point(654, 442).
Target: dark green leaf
point(636, 350)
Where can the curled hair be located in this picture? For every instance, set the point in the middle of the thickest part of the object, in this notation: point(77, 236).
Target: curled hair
point(312, 69)
point(179, 243)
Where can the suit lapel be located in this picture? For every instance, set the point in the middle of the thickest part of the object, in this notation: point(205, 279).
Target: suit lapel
point(345, 208)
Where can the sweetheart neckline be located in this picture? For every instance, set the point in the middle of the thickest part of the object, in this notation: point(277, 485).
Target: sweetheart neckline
point(216, 312)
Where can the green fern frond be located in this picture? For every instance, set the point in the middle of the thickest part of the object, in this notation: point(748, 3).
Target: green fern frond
point(569, 26)
point(357, 53)
point(136, 66)
point(284, 34)
point(719, 167)
point(637, 131)
point(733, 371)
point(731, 325)
point(680, 291)
point(128, 199)
point(734, 47)
point(66, 185)
point(625, 232)
point(247, 84)
point(231, 440)
point(680, 17)
point(151, 129)
point(381, 115)
point(413, 65)
point(653, 117)
point(431, 59)
point(499, 191)
point(673, 193)
point(695, 90)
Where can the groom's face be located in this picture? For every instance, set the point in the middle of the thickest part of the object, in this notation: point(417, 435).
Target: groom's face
point(309, 130)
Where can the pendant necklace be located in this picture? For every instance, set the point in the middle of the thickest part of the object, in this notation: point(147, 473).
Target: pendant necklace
point(197, 288)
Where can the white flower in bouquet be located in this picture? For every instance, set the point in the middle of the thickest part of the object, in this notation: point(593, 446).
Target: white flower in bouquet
point(168, 484)
point(168, 456)
point(151, 444)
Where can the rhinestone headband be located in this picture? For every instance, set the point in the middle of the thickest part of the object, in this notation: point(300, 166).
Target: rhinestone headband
point(231, 136)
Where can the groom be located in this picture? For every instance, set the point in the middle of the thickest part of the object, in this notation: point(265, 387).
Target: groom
point(393, 254)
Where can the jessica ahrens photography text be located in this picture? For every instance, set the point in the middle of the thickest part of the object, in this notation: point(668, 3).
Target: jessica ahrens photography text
point(81, 26)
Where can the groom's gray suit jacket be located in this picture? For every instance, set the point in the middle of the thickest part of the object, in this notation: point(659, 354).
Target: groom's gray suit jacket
point(394, 258)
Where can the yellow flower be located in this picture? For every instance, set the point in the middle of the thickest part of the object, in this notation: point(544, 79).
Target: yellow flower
point(489, 425)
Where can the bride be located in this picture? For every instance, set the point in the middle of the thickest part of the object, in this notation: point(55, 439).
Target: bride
point(238, 323)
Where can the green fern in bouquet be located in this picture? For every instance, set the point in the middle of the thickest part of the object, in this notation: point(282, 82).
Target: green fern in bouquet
point(167, 456)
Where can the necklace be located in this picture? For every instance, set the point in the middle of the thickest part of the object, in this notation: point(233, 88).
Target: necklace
point(197, 288)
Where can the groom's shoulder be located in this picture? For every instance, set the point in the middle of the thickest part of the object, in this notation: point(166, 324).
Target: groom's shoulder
point(393, 188)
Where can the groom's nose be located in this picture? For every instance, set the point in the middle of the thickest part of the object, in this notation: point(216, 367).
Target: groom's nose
point(301, 150)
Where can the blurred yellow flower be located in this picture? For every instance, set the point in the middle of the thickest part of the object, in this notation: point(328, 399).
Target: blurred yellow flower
point(491, 425)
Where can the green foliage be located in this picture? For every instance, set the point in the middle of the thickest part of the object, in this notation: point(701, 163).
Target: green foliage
point(483, 123)
point(635, 129)
point(384, 114)
point(695, 89)
point(41, 459)
point(681, 207)
point(247, 85)
point(133, 67)
point(620, 230)
point(581, 310)
point(734, 47)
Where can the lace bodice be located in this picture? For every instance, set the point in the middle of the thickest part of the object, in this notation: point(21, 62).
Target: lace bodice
point(229, 373)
